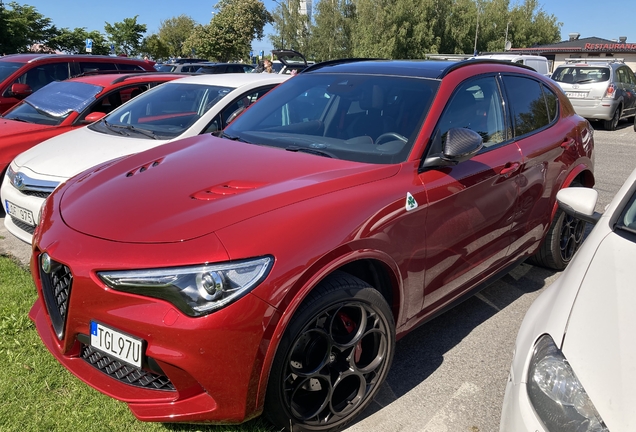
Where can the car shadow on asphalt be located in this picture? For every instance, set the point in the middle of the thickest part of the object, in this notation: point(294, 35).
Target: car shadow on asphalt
point(420, 353)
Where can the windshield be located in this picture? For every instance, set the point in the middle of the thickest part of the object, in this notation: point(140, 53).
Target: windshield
point(364, 118)
point(7, 68)
point(54, 102)
point(164, 112)
point(627, 221)
point(166, 68)
point(581, 74)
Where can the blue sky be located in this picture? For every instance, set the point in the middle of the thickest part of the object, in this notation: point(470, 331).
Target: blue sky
point(583, 16)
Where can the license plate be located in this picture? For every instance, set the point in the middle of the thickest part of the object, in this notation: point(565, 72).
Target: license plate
point(575, 95)
point(116, 344)
point(18, 212)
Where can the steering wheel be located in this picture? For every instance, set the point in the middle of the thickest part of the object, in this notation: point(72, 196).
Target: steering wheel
point(386, 136)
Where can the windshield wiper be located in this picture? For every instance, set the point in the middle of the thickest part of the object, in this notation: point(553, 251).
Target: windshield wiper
point(16, 119)
point(310, 151)
point(113, 128)
point(149, 134)
point(234, 138)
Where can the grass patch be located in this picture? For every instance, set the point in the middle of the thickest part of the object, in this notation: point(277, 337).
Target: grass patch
point(39, 394)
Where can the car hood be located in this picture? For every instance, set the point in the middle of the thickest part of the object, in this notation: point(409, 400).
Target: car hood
point(195, 186)
point(10, 128)
point(72, 152)
point(599, 342)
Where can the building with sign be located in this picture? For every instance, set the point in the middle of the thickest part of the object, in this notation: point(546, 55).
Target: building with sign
point(591, 48)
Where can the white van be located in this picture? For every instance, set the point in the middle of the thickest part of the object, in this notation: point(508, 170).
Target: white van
point(538, 63)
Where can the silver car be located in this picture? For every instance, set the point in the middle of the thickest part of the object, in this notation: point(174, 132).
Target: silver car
point(599, 90)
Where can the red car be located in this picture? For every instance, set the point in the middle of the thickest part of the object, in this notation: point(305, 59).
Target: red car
point(64, 105)
point(273, 269)
point(23, 74)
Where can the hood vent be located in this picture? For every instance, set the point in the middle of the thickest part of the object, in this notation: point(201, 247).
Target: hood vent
point(144, 167)
point(225, 189)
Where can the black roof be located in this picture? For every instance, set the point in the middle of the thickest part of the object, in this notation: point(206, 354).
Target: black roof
point(436, 69)
point(416, 68)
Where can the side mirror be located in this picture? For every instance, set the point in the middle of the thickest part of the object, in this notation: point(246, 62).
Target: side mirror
point(579, 202)
point(20, 91)
point(93, 117)
point(461, 144)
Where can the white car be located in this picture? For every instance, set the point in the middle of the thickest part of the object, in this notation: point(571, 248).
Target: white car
point(184, 108)
point(574, 364)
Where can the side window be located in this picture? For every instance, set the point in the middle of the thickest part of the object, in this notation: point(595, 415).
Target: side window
point(476, 105)
point(107, 103)
point(126, 67)
point(620, 75)
point(243, 102)
point(552, 100)
point(528, 106)
point(88, 66)
point(41, 75)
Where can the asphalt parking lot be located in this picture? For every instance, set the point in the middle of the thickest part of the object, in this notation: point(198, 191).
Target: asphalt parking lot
point(450, 374)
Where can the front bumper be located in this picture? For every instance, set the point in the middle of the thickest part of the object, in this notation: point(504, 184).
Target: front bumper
point(212, 363)
point(32, 203)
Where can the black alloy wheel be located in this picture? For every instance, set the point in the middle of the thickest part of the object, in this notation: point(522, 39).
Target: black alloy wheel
point(572, 231)
point(335, 355)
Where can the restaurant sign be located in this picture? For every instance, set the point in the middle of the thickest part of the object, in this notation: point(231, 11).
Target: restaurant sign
point(610, 47)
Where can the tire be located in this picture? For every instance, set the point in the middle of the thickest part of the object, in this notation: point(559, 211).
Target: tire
point(611, 125)
point(563, 239)
point(634, 123)
point(333, 357)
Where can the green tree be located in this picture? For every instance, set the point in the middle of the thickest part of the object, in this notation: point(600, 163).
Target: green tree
point(23, 27)
point(126, 35)
point(74, 42)
point(292, 28)
point(154, 47)
point(331, 35)
point(532, 26)
point(229, 34)
point(173, 33)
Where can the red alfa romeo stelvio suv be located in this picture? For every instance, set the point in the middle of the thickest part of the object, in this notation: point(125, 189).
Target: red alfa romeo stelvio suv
point(272, 269)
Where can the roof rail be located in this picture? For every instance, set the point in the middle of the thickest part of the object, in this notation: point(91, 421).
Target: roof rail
point(109, 72)
point(320, 65)
point(594, 60)
point(474, 60)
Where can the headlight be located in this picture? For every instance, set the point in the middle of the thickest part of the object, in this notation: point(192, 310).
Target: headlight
point(196, 290)
point(557, 395)
point(10, 174)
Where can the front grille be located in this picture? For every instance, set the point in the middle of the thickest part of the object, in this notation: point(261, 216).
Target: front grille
point(123, 372)
point(56, 287)
point(23, 225)
point(43, 195)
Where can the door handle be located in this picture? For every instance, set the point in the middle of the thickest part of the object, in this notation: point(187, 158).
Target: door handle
point(509, 168)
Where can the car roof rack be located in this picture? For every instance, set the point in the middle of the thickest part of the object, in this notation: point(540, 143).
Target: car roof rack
point(594, 60)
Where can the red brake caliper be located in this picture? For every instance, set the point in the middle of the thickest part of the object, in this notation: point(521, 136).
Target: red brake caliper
point(350, 327)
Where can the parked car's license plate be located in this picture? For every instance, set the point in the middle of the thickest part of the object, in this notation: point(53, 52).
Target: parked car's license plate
point(116, 344)
point(576, 95)
point(18, 212)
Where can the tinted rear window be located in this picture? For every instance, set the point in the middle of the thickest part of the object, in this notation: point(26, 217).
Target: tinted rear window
point(581, 74)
